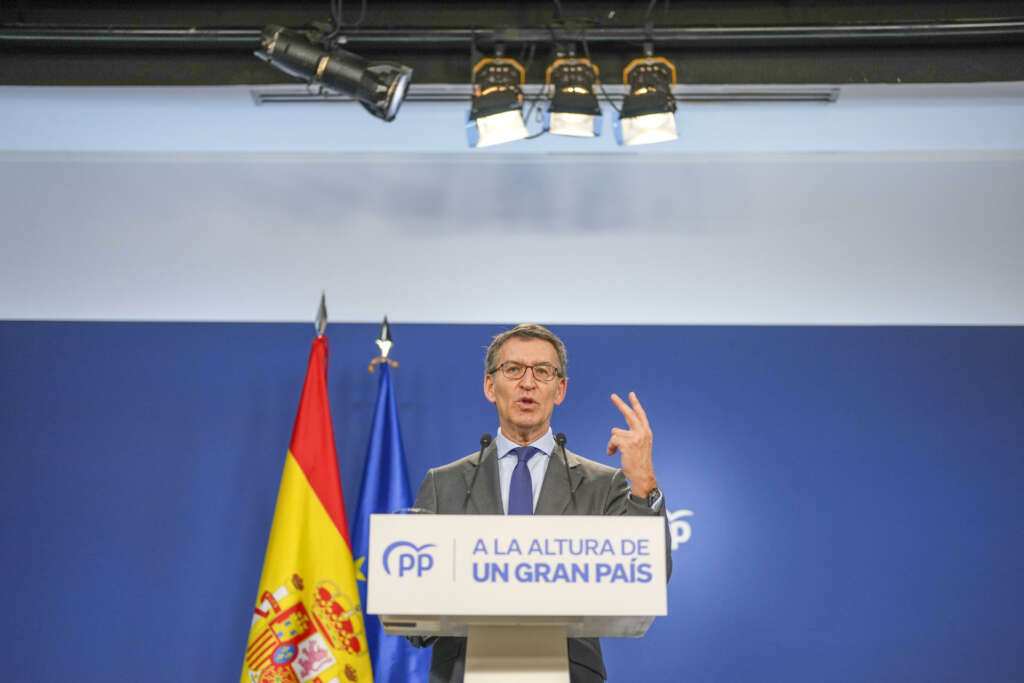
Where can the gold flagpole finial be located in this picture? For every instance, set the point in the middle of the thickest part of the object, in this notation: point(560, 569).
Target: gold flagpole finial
point(384, 343)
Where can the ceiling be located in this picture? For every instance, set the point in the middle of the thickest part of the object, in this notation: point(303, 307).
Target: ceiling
point(187, 42)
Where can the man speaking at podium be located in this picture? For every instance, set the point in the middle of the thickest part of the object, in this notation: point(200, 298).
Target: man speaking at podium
point(523, 472)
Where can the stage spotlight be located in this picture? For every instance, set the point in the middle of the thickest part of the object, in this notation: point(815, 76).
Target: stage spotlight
point(496, 114)
point(379, 86)
point(648, 111)
point(573, 109)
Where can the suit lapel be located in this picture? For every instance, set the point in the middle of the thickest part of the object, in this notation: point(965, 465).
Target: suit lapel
point(486, 496)
point(554, 492)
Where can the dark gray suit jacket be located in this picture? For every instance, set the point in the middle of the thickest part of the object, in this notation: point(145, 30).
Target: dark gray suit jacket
point(598, 490)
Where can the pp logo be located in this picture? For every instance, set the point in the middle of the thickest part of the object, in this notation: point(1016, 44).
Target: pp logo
point(678, 527)
point(409, 558)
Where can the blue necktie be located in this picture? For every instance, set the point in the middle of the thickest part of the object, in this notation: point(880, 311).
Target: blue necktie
point(520, 492)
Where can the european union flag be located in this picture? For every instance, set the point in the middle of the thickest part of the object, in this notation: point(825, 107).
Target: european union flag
point(385, 489)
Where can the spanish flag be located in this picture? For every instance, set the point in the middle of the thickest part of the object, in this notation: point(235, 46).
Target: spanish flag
point(307, 626)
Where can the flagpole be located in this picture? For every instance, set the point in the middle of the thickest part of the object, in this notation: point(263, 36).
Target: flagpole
point(385, 489)
point(307, 621)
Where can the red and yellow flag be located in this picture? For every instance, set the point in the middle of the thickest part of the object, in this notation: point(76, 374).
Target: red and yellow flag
point(308, 624)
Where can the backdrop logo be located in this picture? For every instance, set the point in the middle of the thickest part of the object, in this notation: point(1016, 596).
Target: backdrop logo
point(409, 558)
point(678, 527)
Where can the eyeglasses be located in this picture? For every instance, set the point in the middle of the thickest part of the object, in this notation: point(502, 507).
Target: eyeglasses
point(542, 372)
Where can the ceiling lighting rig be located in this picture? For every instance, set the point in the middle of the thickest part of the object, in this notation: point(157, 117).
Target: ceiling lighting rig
point(570, 90)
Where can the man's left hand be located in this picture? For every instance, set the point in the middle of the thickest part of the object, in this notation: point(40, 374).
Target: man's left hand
point(635, 445)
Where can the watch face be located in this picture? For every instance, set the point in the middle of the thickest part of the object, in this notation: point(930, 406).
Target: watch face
point(653, 497)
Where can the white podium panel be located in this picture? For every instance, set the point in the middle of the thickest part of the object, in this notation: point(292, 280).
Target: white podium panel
point(592, 575)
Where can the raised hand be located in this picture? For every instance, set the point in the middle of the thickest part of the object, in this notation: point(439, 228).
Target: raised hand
point(634, 444)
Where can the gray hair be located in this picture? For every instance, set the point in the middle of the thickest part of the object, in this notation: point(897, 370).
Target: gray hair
point(525, 331)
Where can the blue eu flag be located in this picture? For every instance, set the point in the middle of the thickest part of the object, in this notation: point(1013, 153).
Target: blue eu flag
point(385, 489)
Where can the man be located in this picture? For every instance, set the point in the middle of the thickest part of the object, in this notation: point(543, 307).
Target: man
point(524, 377)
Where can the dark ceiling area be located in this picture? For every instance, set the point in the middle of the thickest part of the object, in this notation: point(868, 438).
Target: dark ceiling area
point(724, 42)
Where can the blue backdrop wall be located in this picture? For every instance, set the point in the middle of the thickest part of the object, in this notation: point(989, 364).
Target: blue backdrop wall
point(854, 493)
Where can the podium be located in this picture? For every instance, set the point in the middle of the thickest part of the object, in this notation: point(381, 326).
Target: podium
point(516, 586)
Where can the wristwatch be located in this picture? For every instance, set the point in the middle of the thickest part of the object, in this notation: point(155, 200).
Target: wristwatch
point(653, 499)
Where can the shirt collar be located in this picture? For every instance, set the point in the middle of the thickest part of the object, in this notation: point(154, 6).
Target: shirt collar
point(544, 444)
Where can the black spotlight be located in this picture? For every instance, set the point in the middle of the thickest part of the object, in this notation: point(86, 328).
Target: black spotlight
point(573, 109)
point(496, 114)
point(648, 111)
point(379, 86)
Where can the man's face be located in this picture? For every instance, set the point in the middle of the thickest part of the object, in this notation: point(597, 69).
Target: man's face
point(525, 404)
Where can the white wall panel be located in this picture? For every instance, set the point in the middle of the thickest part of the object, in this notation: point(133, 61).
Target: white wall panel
point(896, 204)
point(859, 239)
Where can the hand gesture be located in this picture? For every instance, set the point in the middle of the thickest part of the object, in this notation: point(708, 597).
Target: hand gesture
point(635, 445)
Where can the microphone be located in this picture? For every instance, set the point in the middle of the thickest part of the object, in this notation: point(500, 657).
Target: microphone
point(560, 440)
point(485, 441)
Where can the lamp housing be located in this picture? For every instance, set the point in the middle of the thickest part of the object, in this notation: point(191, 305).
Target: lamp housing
point(573, 108)
point(379, 86)
point(496, 112)
point(648, 111)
